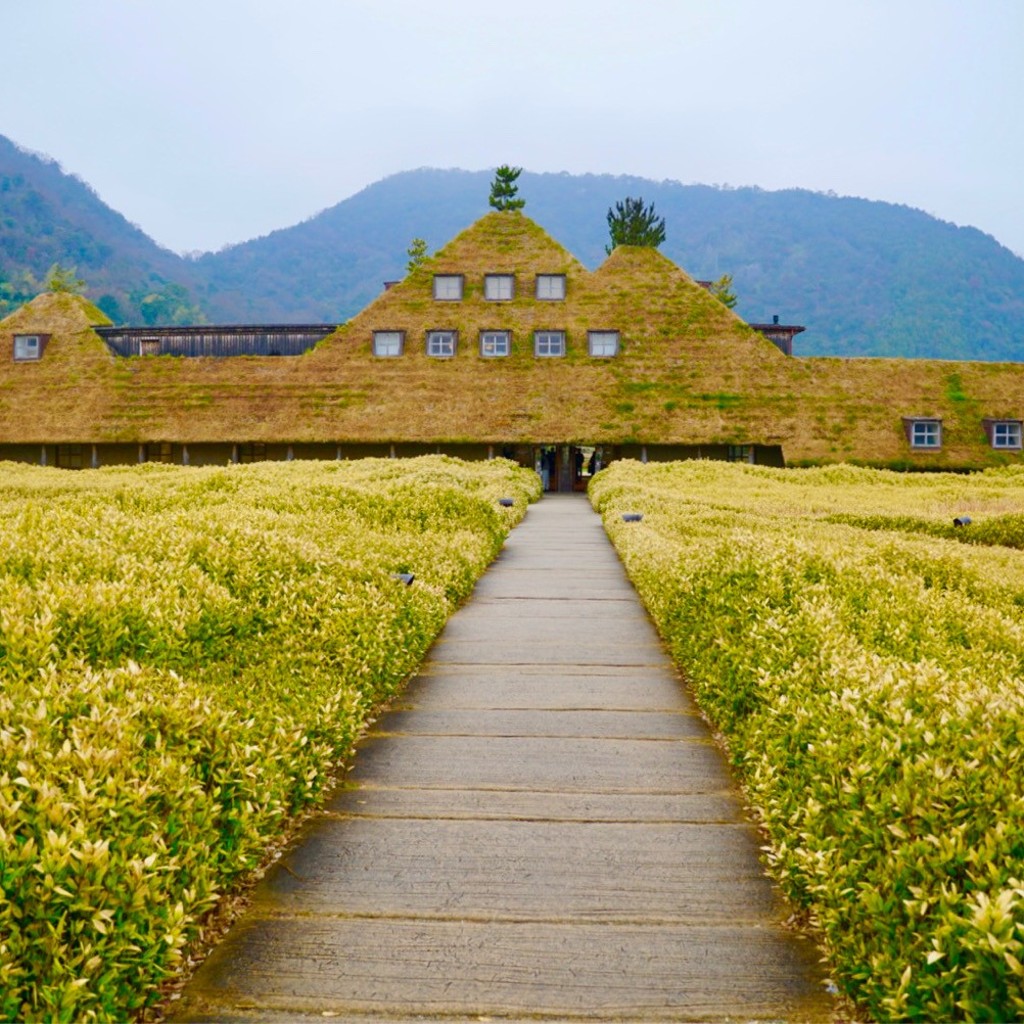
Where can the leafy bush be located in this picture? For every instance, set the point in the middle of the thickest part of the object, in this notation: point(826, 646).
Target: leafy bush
point(187, 657)
point(869, 688)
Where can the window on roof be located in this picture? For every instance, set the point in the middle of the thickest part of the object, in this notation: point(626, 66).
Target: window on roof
point(551, 286)
point(494, 344)
point(441, 344)
point(925, 433)
point(27, 346)
point(1006, 434)
point(549, 343)
point(448, 287)
point(603, 343)
point(388, 343)
point(499, 287)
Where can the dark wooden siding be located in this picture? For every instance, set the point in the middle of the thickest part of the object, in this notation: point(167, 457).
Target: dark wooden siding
point(220, 342)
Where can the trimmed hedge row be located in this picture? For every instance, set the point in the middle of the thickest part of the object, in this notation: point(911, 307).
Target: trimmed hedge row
point(870, 688)
point(187, 657)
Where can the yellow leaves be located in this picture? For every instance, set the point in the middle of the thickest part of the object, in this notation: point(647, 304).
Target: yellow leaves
point(867, 682)
point(187, 657)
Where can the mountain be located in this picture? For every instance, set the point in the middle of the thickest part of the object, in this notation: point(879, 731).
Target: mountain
point(864, 277)
point(48, 217)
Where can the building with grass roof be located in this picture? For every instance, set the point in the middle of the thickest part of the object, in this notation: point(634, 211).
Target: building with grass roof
point(501, 344)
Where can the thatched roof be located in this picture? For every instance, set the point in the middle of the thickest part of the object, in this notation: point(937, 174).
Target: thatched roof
point(689, 372)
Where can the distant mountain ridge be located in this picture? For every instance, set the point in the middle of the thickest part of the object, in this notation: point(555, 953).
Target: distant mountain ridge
point(865, 277)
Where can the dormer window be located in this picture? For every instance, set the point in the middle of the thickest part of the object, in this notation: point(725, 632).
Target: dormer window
point(441, 344)
point(1004, 434)
point(388, 344)
point(549, 343)
point(27, 347)
point(495, 344)
point(448, 287)
point(551, 287)
point(499, 287)
point(923, 433)
point(603, 344)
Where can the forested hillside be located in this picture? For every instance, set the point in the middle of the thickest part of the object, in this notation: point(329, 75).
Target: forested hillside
point(48, 217)
point(865, 278)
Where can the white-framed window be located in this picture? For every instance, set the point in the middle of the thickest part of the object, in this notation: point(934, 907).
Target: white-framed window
point(926, 433)
point(388, 343)
point(551, 286)
point(441, 344)
point(741, 453)
point(494, 344)
point(1006, 434)
point(27, 346)
point(448, 287)
point(603, 343)
point(499, 287)
point(549, 343)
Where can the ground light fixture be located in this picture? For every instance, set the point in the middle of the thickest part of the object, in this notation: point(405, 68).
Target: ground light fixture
point(403, 577)
point(506, 502)
point(962, 521)
point(632, 517)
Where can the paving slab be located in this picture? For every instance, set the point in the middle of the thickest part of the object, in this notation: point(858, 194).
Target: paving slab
point(596, 687)
point(540, 828)
point(526, 805)
point(320, 965)
point(574, 722)
point(536, 870)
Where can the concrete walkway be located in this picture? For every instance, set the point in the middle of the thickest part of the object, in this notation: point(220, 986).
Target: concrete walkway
point(542, 829)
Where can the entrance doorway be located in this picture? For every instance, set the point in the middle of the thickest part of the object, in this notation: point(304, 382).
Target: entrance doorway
point(565, 467)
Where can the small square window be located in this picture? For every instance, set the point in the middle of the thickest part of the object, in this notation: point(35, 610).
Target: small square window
point(448, 287)
point(549, 343)
point(551, 286)
point(161, 451)
point(253, 451)
point(441, 344)
point(499, 287)
point(741, 453)
point(494, 344)
point(603, 343)
point(69, 456)
point(925, 433)
point(27, 346)
point(388, 343)
point(1006, 434)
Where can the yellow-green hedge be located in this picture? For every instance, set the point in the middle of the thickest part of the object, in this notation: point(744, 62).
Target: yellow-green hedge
point(186, 656)
point(870, 686)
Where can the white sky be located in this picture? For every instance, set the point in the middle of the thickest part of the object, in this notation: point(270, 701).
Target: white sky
point(209, 122)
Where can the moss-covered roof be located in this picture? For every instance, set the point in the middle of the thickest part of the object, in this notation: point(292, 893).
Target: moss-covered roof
point(688, 372)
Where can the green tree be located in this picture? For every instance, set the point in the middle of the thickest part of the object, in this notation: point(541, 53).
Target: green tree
point(504, 189)
point(632, 223)
point(171, 305)
point(722, 290)
point(111, 307)
point(63, 279)
point(417, 253)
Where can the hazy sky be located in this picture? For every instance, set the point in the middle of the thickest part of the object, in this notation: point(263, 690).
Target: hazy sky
point(208, 122)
